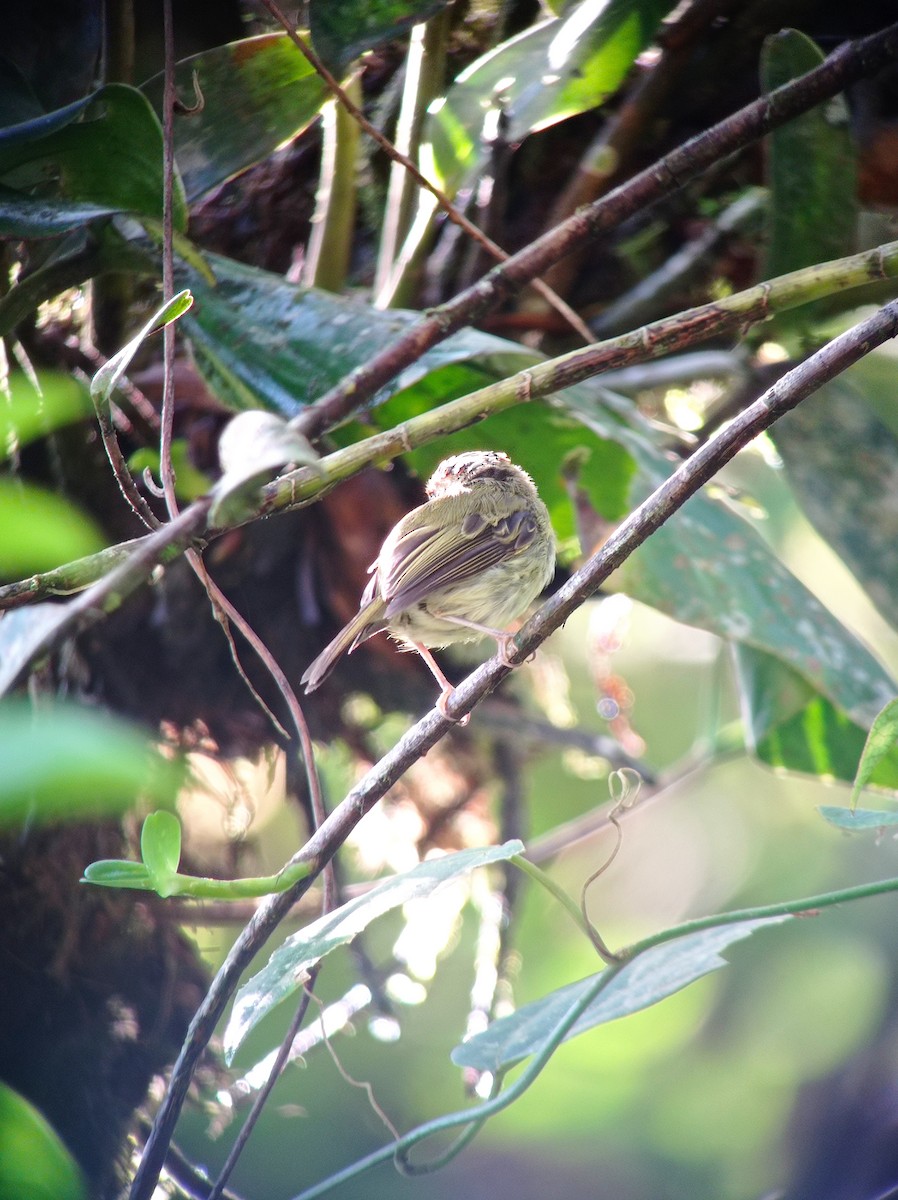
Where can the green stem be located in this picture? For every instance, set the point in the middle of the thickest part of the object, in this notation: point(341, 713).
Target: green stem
point(330, 245)
point(545, 880)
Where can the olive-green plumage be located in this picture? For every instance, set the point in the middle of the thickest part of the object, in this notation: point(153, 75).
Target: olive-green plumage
point(457, 568)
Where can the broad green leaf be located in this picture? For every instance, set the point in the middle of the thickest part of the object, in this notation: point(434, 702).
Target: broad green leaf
point(160, 849)
point(812, 215)
point(650, 977)
point(34, 1163)
point(40, 530)
point(25, 415)
point(342, 29)
point(111, 157)
point(858, 820)
point(559, 68)
point(68, 763)
point(287, 966)
point(882, 743)
point(23, 217)
point(256, 94)
point(263, 343)
point(841, 459)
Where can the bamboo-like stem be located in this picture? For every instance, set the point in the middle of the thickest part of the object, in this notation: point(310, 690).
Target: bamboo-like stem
point(327, 261)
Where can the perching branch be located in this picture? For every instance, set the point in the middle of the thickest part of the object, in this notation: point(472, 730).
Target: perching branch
point(785, 394)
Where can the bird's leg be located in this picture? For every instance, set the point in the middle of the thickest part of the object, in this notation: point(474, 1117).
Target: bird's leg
point(445, 685)
point(503, 639)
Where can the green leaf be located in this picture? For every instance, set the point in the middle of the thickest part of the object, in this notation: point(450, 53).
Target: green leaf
point(342, 29)
point(793, 727)
point(882, 742)
point(160, 849)
point(26, 415)
point(23, 217)
point(67, 763)
point(858, 820)
point(841, 459)
point(649, 977)
point(112, 157)
point(40, 530)
point(708, 567)
point(263, 343)
point(119, 873)
point(110, 373)
point(264, 81)
point(34, 1163)
point(812, 169)
point(287, 966)
point(559, 68)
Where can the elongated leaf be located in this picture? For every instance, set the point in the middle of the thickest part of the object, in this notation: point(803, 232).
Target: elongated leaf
point(812, 214)
point(23, 217)
point(26, 415)
point(555, 70)
point(650, 977)
point(881, 744)
point(160, 847)
point(287, 966)
point(112, 157)
point(40, 530)
point(858, 820)
point(342, 29)
point(256, 94)
point(66, 763)
point(119, 873)
point(111, 372)
point(35, 1164)
point(841, 459)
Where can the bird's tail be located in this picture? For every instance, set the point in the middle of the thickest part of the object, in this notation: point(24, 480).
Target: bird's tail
point(359, 629)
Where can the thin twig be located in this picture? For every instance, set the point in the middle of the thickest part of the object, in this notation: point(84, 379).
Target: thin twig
point(786, 394)
point(123, 476)
point(169, 99)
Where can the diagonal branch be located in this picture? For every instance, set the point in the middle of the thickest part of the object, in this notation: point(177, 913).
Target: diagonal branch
point(785, 394)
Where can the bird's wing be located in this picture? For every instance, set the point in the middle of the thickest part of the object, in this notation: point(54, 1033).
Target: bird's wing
point(425, 561)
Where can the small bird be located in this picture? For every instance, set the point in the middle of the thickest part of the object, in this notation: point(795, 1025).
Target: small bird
point(457, 568)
